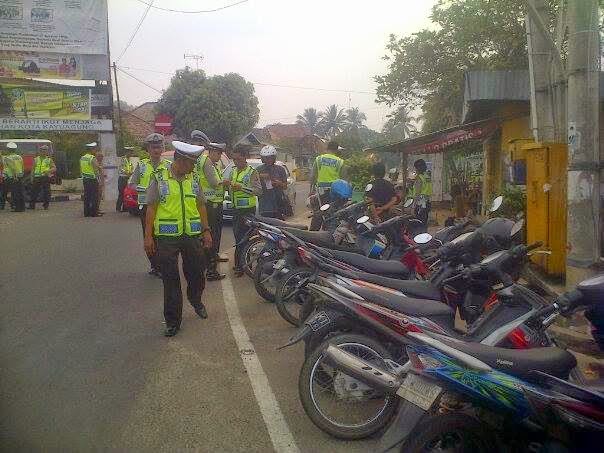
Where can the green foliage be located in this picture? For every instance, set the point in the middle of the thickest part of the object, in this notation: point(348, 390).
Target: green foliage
point(310, 118)
point(224, 106)
point(333, 121)
point(355, 119)
point(358, 170)
point(514, 202)
point(426, 69)
point(356, 140)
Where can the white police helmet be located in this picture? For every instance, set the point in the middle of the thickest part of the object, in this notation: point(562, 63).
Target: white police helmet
point(267, 151)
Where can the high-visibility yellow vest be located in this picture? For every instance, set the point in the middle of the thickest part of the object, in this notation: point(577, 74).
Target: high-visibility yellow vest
point(243, 198)
point(329, 167)
point(214, 195)
point(125, 167)
point(426, 186)
point(177, 212)
point(15, 165)
point(42, 166)
point(86, 168)
point(146, 172)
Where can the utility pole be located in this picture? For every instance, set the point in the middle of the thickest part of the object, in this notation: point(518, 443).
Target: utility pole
point(584, 161)
point(117, 95)
point(539, 53)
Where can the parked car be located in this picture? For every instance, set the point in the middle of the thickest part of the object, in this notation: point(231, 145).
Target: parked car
point(227, 205)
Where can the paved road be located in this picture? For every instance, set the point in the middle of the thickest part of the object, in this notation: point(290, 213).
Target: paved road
point(84, 367)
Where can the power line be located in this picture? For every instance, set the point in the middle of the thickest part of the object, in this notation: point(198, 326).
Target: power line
point(138, 26)
point(139, 80)
point(267, 84)
point(191, 12)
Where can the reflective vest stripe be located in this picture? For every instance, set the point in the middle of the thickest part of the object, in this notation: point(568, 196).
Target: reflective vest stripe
point(329, 167)
point(86, 168)
point(177, 213)
point(42, 166)
point(243, 198)
point(214, 195)
point(146, 171)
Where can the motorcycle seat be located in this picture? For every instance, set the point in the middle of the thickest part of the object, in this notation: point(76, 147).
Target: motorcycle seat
point(437, 311)
point(320, 238)
point(281, 223)
point(420, 289)
point(391, 268)
point(520, 362)
point(394, 221)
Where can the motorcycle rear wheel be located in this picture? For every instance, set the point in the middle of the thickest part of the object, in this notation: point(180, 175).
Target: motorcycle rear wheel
point(346, 397)
point(289, 305)
point(250, 254)
point(265, 289)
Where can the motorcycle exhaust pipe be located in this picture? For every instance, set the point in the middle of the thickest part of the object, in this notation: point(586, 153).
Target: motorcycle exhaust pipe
point(369, 374)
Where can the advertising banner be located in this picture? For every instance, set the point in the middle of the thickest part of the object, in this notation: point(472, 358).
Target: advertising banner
point(22, 101)
point(17, 65)
point(32, 124)
point(61, 26)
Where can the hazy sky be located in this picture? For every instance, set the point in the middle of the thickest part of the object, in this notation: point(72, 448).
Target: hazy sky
point(332, 44)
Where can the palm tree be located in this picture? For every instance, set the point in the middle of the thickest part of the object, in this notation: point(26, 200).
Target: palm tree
point(333, 121)
point(310, 119)
point(400, 124)
point(355, 119)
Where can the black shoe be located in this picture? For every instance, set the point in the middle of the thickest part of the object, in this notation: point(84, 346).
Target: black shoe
point(201, 311)
point(170, 331)
point(214, 276)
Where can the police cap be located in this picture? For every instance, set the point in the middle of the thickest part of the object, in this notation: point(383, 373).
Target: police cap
point(154, 138)
point(187, 150)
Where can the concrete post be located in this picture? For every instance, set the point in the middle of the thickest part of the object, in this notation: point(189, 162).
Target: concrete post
point(108, 147)
point(584, 174)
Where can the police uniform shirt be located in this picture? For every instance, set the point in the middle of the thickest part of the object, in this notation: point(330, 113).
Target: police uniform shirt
point(210, 174)
point(153, 192)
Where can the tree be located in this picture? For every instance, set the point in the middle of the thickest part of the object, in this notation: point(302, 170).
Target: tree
point(310, 119)
point(333, 121)
point(399, 125)
point(426, 69)
point(355, 118)
point(224, 106)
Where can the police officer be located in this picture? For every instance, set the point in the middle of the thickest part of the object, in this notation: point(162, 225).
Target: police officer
point(4, 178)
point(327, 168)
point(209, 177)
point(90, 171)
point(422, 192)
point(176, 224)
point(245, 187)
point(142, 177)
point(125, 171)
point(44, 168)
point(15, 164)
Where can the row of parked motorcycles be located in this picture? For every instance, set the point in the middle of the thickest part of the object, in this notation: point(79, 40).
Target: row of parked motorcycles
point(433, 342)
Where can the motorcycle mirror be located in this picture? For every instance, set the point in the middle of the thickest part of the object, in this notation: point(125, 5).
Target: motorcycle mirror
point(517, 227)
point(325, 207)
point(363, 219)
point(368, 187)
point(408, 202)
point(422, 238)
point(497, 202)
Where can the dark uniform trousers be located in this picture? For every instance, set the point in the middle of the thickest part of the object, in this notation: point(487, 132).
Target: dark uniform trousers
point(17, 195)
point(122, 182)
point(193, 266)
point(91, 195)
point(41, 186)
point(153, 260)
point(4, 188)
point(240, 229)
point(214, 211)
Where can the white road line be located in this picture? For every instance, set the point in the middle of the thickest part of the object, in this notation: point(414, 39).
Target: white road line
point(281, 437)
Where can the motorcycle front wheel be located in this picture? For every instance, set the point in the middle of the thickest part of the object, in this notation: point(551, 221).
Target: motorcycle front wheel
point(290, 296)
point(339, 404)
point(265, 287)
point(250, 254)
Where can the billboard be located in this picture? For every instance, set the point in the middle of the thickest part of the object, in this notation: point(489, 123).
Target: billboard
point(17, 65)
point(26, 101)
point(32, 124)
point(57, 26)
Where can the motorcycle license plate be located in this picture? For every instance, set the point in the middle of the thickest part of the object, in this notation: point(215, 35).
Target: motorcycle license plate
point(419, 391)
point(318, 321)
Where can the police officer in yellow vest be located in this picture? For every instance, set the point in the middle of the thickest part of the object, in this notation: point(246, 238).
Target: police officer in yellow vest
point(326, 169)
point(176, 224)
point(209, 176)
point(142, 177)
point(125, 171)
point(3, 179)
point(15, 164)
point(90, 171)
point(44, 168)
point(245, 186)
point(422, 192)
